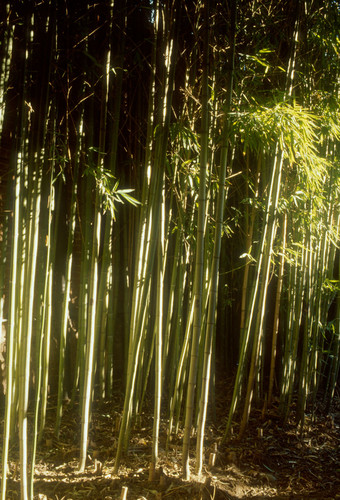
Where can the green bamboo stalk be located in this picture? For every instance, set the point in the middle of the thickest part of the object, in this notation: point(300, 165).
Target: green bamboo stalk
point(290, 285)
point(146, 356)
point(249, 239)
point(86, 160)
point(277, 311)
point(335, 351)
point(213, 295)
point(152, 229)
point(324, 265)
point(297, 309)
point(66, 299)
point(46, 351)
point(270, 228)
point(162, 241)
point(45, 341)
point(184, 306)
point(308, 319)
point(143, 244)
point(44, 329)
point(197, 296)
point(104, 292)
point(25, 348)
point(112, 311)
point(92, 326)
point(10, 334)
point(137, 322)
point(159, 338)
point(5, 63)
point(176, 392)
point(90, 334)
point(171, 313)
point(206, 290)
point(84, 289)
point(106, 286)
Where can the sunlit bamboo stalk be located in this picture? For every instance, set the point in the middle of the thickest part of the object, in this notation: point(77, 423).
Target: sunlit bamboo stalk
point(201, 224)
point(211, 319)
point(44, 332)
point(277, 311)
point(266, 253)
point(94, 289)
point(66, 299)
point(90, 338)
point(10, 376)
point(25, 347)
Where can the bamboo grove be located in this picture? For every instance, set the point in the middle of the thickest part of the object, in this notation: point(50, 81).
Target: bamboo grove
point(169, 216)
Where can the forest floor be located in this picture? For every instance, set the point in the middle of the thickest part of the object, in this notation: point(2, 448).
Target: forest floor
point(271, 461)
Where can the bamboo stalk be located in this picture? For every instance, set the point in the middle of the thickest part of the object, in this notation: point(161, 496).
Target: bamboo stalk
point(276, 312)
point(197, 295)
point(211, 320)
point(25, 347)
point(10, 336)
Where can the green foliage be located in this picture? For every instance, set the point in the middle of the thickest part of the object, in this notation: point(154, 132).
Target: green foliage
point(332, 286)
point(108, 188)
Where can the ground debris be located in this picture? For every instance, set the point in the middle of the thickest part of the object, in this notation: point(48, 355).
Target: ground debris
point(275, 462)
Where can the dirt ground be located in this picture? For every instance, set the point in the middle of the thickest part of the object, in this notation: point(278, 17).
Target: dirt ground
point(272, 461)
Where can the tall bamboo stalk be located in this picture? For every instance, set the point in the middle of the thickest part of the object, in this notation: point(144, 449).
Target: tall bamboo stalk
point(277, 311)
point(66, 299)
point(201, 224)
point(44, 332)
point(211, 319)
point(10, 375)
point(266, 253)
point(92, 325)
point(25, 348)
